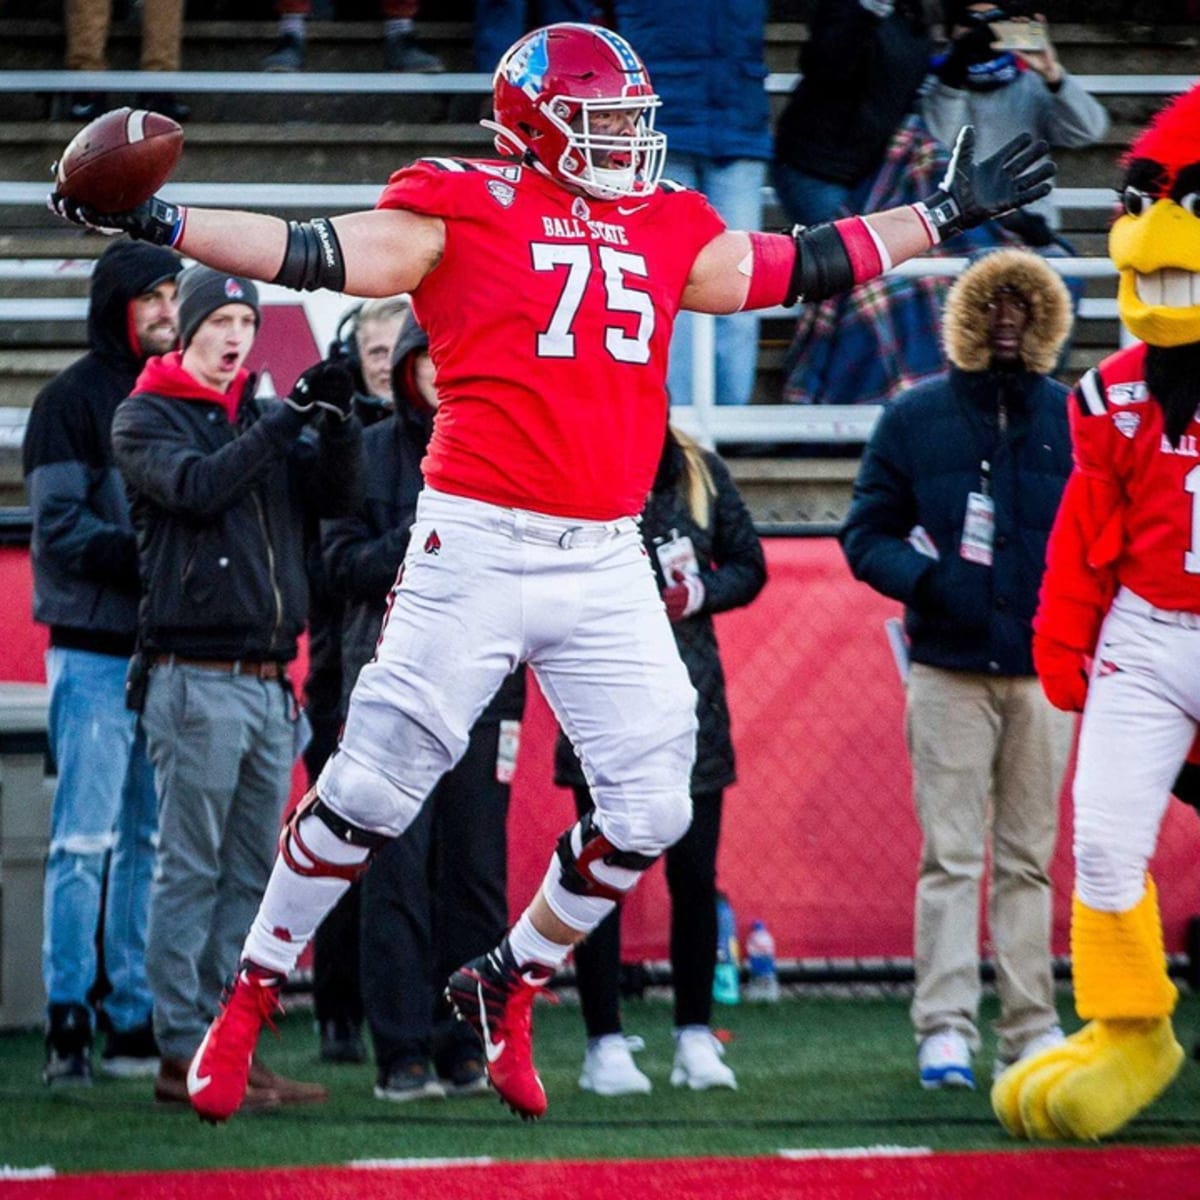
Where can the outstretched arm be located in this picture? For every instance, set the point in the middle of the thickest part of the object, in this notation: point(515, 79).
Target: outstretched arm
point(757, 270)
point(382, 252)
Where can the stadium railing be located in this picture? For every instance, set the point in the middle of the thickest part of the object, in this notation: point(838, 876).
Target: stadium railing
point(713, 424)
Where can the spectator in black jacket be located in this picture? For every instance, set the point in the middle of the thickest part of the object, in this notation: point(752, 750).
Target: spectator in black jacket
point(365, 338)
point(85, 588)
point(861, 69)
point(438, 895)
point(952, 509)
point(708, 559)
point(219, 487)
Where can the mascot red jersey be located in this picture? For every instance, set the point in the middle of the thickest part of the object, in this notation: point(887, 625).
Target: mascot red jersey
point(1117, 636)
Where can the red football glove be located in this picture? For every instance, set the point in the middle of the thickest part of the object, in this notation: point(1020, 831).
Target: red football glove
point(684, 597)
point(1062, 673)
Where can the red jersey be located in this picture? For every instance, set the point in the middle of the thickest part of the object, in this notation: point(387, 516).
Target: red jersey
point(1131, 511)
point(549, 316)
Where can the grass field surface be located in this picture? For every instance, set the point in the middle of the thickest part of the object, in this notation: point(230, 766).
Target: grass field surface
point(813, 1072)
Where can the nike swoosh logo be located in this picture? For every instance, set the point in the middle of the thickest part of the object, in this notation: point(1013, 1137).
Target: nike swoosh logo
point(493, 1050)
point(196, 1082)
point(628, 212)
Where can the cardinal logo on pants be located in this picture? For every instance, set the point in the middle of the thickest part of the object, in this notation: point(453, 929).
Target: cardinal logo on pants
point(433, 543)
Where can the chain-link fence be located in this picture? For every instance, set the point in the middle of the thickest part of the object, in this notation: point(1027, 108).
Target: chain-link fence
point(819, 837)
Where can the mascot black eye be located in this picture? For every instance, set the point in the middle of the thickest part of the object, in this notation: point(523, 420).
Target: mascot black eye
point(1191, 203)
point(1135, 201)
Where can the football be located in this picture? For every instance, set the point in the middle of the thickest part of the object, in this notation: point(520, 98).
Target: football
point(120, 159)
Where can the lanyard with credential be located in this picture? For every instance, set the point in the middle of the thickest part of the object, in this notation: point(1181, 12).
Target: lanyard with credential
point(979, 523)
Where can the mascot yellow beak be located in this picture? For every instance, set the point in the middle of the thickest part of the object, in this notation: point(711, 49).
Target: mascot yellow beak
point(1158, 256)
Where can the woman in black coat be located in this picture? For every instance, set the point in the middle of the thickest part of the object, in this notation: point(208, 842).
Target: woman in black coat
point(707, 557)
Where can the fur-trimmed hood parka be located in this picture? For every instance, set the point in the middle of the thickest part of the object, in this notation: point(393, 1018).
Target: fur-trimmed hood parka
point(964, 325)
point(1001, 430)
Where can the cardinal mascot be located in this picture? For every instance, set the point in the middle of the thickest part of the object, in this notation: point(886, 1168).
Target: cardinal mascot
point(1117, 637)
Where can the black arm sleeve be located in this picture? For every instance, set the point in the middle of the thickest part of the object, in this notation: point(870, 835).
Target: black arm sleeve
point(822, 268)
point(313, 258)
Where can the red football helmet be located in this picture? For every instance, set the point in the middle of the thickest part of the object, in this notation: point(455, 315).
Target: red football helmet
point(547, 93)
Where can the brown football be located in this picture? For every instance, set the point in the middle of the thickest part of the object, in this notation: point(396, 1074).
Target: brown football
point(122, 158)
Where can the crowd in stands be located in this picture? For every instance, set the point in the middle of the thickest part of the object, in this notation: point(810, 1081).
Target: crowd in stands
point(128, 497)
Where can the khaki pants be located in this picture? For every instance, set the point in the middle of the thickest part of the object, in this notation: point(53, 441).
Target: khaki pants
point(87, 34)
point(972, 738)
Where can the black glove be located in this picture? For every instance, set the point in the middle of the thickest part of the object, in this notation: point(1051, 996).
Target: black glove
point(974, 46)
point(971, 193)
point(327, 386)
point(153, 220)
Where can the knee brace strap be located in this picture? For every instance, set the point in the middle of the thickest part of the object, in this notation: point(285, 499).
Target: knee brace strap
point(576, 869)
point(290, 840)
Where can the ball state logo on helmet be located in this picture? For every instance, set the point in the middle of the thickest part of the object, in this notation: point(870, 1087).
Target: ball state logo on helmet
point(575, 103)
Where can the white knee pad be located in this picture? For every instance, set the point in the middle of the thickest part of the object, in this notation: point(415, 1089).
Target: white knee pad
point(646, 824)
point(366, 797)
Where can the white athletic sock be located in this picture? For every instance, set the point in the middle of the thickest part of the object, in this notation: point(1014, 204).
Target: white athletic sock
point(292, 25)
point(397, 27)
point(294, 905)
point(530, 946)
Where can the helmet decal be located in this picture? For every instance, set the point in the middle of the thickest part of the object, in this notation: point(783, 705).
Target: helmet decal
point(630, 63)
point(527, 68)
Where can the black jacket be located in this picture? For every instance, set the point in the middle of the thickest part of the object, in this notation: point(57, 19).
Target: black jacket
point(733, 570)
point(220, 510)
point(923, 459)
point(362, 553)
point(85, 577)
point(860, 77)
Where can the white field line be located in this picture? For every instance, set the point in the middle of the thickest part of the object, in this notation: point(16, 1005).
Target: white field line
point(402, 1164)
point(859, 1152)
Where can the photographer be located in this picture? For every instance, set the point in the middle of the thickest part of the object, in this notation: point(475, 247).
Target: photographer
point(984, 80)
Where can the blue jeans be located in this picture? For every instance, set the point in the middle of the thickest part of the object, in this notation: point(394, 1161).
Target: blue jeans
point(104, 813)
point(807, 200)
point(499, 23)
point(734, 188)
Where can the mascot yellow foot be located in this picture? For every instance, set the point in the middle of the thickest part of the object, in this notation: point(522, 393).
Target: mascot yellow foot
point(1104, 1075)
point(1091, 1084)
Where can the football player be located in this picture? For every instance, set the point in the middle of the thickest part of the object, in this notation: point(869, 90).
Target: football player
point(548, 281)
point(1121, 594)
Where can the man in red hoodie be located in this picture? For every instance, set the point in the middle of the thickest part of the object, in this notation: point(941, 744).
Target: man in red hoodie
point(220, 486)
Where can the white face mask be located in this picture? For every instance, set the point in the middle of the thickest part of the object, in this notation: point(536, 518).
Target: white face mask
point(640, 151)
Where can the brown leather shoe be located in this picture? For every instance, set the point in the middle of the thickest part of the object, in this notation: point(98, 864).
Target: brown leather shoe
point(289, 1091)
point(170, 1088)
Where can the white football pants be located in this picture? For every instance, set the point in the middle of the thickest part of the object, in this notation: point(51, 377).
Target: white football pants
point(1139, 721)
point(482, 589)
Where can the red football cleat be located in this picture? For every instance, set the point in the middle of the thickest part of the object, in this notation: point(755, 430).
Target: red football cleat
point(495, 997)
point(220, 1068)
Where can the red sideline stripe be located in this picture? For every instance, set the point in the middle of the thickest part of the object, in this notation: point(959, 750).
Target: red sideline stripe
point(1072, 1174)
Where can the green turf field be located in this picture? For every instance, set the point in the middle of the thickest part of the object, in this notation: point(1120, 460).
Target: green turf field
point(813, 1072)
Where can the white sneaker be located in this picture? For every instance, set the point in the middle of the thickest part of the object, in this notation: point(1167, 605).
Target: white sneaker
point(609, 1069)
point(944, 1060)
point(698, 1061)
point(1052, 1037)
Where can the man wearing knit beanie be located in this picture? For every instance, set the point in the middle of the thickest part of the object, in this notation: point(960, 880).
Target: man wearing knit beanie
point(202, 291)
point(222, 488)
